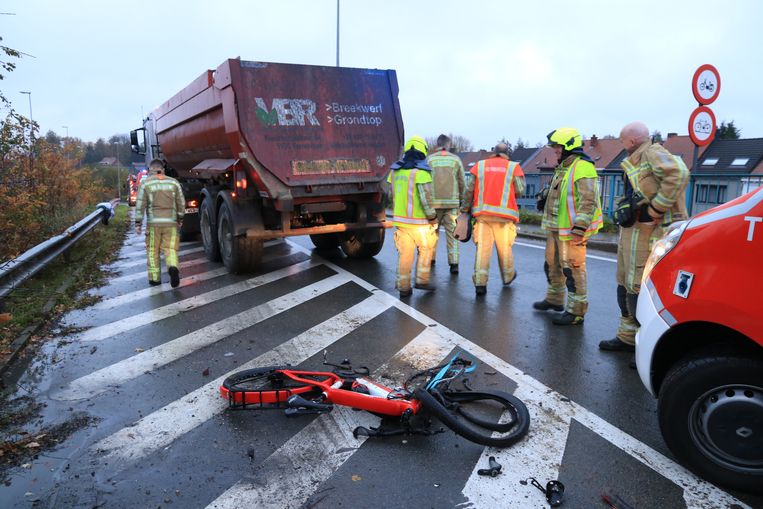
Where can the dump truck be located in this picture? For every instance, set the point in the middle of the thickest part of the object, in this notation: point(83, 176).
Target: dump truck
point(269, 150)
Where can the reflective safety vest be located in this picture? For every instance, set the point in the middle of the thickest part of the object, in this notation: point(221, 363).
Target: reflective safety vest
point(407, 204)
point(494, 188)
point(568, 209)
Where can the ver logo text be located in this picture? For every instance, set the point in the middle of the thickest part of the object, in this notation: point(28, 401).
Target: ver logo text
point(286, 112)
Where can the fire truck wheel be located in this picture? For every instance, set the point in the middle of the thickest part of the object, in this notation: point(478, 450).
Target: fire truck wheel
point(711, 416)
point(325, 241)
point(208, 232)
point(239, 254)
point(363, 244)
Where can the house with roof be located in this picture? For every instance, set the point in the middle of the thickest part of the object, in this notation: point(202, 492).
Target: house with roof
point(726, 170)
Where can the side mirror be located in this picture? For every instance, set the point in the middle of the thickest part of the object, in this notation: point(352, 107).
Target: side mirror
point(134, 142)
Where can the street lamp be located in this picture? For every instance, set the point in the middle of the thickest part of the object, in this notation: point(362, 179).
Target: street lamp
point(29, 94)
point(31, 131)
point(119, 187)
point(67, 130)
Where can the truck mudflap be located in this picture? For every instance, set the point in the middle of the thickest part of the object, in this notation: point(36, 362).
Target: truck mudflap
point(317, 230)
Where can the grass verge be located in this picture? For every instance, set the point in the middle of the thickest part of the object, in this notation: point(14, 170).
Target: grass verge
point(75, 273)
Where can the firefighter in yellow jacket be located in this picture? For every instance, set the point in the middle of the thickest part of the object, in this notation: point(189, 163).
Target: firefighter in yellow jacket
point(161, 200)
point(655, 184)
point(414, 217)
point(571, 215)
point(491, 195)
point(447, 189)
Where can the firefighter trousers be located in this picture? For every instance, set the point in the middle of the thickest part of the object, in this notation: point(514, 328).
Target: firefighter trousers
point(486, 233)
point(633, 248)
point(408, 240)
point(566, 274)
point(447, 219)
point(161, 239)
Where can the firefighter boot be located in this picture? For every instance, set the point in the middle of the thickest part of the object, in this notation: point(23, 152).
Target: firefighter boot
point(567, 319)
point(544, 305)
point(174, 276)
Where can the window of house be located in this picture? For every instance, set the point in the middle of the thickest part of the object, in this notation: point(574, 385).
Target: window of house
point(712, 193)
point(710, 161)
point(701, 193)
point(721, 194)
point(740, 161)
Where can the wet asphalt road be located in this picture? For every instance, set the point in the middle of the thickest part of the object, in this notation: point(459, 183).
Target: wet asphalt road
point(147, 363)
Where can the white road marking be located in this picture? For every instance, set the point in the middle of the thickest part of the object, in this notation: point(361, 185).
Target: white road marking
point(321, 447)
point(135, 263)
point(152, 359)
point(154, 315)
point(523, 456)
point(160, 428)
point(142, 274)
point(141, 251)
point(595, 257)
point(155, 290)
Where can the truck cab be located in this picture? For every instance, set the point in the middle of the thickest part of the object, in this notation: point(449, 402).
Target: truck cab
point(699, 348)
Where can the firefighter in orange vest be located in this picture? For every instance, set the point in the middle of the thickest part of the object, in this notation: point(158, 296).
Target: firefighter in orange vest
point(414, 217)
point(491, 195)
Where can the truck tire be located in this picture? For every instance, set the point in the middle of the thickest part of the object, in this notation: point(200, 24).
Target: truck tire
point(325, 241)
point(239, 253)
point(208, 232)
point(363, 243)
point(711, 413)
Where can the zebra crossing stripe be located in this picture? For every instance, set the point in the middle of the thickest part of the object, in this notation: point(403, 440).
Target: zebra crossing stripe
point(143, 275)
point(164, 426)
point(131, 253)
point(136, 263)
point(108, 330)
point(321, 447)
point(152, 359)
point(155, 290)
point(546, 404)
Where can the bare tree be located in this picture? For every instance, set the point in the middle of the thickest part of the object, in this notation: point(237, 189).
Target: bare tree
point(458, 143)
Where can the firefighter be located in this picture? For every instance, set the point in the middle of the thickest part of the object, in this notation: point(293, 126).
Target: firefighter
point(414, 218)
point(161, 199)
point(448, 187)
point(571, 215)
point(491, 196)
point(655, 185)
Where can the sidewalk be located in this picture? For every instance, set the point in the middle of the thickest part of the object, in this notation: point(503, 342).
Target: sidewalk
point(601, 241)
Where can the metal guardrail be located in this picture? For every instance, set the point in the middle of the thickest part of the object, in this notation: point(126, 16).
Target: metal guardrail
point(14, 272)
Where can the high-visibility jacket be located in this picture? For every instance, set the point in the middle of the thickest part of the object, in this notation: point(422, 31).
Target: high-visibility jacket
point(408, 207)
point(447, 179)
point(161, 198)
point(661, 177)
point(494, 193)
point(570, 211)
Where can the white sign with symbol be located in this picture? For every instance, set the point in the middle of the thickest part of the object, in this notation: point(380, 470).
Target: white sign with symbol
point(706, 84)
point(702, 126)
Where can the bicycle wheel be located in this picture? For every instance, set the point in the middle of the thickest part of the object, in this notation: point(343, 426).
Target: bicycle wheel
point(265, 387)
point(467, 414)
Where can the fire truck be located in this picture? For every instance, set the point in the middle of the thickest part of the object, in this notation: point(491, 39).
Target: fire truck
point(699, 349)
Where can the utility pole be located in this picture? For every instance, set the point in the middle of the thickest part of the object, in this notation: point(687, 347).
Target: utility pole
point(119, 187)
point(337, 33)
point(31, 131)
point(67, 130)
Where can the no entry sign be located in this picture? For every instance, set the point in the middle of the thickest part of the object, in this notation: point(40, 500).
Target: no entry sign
point(706, 84)
point(702, 126)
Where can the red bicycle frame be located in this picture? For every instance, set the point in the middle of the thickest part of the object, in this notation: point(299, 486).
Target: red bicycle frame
point(386, 401)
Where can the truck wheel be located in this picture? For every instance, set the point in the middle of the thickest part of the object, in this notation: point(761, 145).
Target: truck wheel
point(208, 232)
point(238, 253)
point(363, 243)
point(711, 416)
point(325, 241)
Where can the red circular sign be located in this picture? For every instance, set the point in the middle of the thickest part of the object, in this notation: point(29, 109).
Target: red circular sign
point(706, 84)
point(702, 126)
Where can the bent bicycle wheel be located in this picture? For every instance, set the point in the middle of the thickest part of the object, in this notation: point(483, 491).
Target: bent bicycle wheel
point(265, 387)
point(468, 413)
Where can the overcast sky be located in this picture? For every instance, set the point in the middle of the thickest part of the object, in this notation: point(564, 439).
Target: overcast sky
point(481, 69)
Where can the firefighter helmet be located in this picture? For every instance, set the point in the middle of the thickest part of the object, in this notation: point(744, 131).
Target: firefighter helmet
point(416, 143)
point(568, 137)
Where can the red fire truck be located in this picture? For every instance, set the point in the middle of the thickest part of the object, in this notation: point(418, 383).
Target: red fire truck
point(700, 346)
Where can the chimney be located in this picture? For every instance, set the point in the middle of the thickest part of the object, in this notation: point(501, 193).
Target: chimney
point(672, 135)
point(594, 141)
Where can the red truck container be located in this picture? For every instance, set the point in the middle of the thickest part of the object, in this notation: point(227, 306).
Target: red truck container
point(267, 150)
